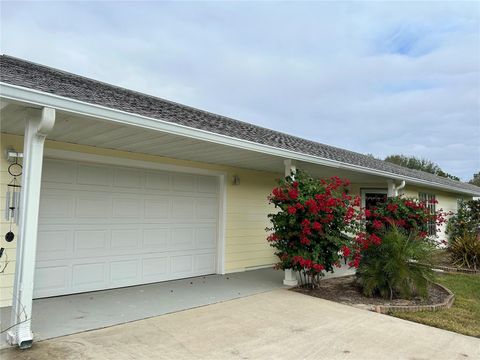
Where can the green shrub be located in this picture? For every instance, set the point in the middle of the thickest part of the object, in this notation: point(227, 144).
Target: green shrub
point(466, 220)
point(397, 267)
point(465, 250)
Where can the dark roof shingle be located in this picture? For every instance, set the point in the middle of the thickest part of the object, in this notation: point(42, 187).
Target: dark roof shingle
point(42, 78)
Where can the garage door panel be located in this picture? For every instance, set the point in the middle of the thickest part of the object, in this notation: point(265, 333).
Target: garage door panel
point(183, 208)
point(157, 208)
point(157, 181)
point(183, 183)
point(130, 178)
point(93, 205)
point(156, 268)
point(52, 278)
point(54, 243)
point(89, 275)
point(59, 172)
point(130, 208)
point(88, 174)
point(56, 205)
point(207, 184)
point(125, 239)
point(156, 238)
point(206, 209)
point(206, 238)
point(182, 239)
point(124, 272)
point(87, 241)
point(182, 265)
point(106, 226)
point(205, 262)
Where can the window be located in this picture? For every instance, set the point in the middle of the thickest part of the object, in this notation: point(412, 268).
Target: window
point(430, 201)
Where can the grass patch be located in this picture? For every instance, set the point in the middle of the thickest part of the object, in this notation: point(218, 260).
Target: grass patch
point(464, 316)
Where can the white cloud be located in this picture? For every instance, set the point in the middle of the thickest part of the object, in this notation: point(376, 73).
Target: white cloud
point(377, 78)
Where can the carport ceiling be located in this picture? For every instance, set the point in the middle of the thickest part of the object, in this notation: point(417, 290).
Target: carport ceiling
point(83, 130)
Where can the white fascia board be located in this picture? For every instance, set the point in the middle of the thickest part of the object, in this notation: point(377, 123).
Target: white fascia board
point(39, 98)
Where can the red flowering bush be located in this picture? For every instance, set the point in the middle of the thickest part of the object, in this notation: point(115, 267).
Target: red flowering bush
point(394, 244)
point(407, 214)
point(309, 232)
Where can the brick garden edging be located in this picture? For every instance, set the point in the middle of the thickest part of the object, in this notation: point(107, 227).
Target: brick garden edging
point(446, 304)
point(451, 269)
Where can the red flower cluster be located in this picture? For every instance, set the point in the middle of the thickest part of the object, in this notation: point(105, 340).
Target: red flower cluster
point(346, 251)
point(392, 207)
point(272, 237)
point(364, 240)
point(293, 194)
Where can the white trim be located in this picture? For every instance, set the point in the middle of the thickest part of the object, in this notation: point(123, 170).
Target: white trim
point(118, 161)
point(35, 97)
point(222, 221)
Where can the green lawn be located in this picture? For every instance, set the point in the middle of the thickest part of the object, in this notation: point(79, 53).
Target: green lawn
point(464, 316)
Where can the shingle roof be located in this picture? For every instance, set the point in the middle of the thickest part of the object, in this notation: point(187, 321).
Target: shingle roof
point(42, 78)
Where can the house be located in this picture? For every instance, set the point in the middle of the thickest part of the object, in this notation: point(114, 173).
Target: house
point(121, 188)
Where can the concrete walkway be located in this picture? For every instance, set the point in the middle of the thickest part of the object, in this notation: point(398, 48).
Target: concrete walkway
point(278, 324)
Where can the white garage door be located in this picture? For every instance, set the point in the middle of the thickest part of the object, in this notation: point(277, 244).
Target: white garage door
point(105, 226)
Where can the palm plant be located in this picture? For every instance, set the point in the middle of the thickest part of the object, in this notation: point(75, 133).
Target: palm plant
point(465, 250)
point(398, 267)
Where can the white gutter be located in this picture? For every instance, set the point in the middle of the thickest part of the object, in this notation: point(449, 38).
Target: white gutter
point(39, 98)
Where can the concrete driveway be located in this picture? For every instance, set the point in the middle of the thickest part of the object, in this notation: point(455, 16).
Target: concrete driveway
point(279, 324)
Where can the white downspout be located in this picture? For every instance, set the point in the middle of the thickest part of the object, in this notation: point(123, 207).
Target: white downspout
point(37, 125)
point(392, 189)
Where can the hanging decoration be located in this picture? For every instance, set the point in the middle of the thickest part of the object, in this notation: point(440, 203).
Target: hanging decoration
point(12, 198)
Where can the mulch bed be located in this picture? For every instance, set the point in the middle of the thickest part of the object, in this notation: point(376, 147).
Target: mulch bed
point(344, 290)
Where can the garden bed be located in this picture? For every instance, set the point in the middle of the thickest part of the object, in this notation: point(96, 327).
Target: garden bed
point(345, 291)
point(442, 262)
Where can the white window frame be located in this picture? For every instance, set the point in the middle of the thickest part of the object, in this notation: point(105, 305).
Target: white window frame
point(427, 197)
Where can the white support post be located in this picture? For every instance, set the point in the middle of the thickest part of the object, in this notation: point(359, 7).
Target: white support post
point(37, 125)
point(290, 277)
point(391, 188)
point(290, 167)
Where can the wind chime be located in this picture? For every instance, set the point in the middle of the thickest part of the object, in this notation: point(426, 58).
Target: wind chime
point(12, 198)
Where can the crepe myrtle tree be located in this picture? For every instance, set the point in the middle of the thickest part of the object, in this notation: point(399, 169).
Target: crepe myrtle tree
point(315, 226)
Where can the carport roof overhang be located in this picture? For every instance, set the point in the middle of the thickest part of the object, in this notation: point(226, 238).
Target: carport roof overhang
point(90, 124)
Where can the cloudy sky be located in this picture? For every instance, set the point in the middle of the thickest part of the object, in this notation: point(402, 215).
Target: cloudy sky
point(377, 77)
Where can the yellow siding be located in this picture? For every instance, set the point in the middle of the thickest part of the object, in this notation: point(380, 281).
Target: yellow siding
point(246, 210)
point(6, 278)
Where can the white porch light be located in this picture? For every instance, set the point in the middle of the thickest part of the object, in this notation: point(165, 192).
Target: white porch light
point(37, 126)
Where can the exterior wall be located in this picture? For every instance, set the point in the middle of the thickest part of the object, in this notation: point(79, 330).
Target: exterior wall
point(6, 278)
point(246, 209)
point(446, 201)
